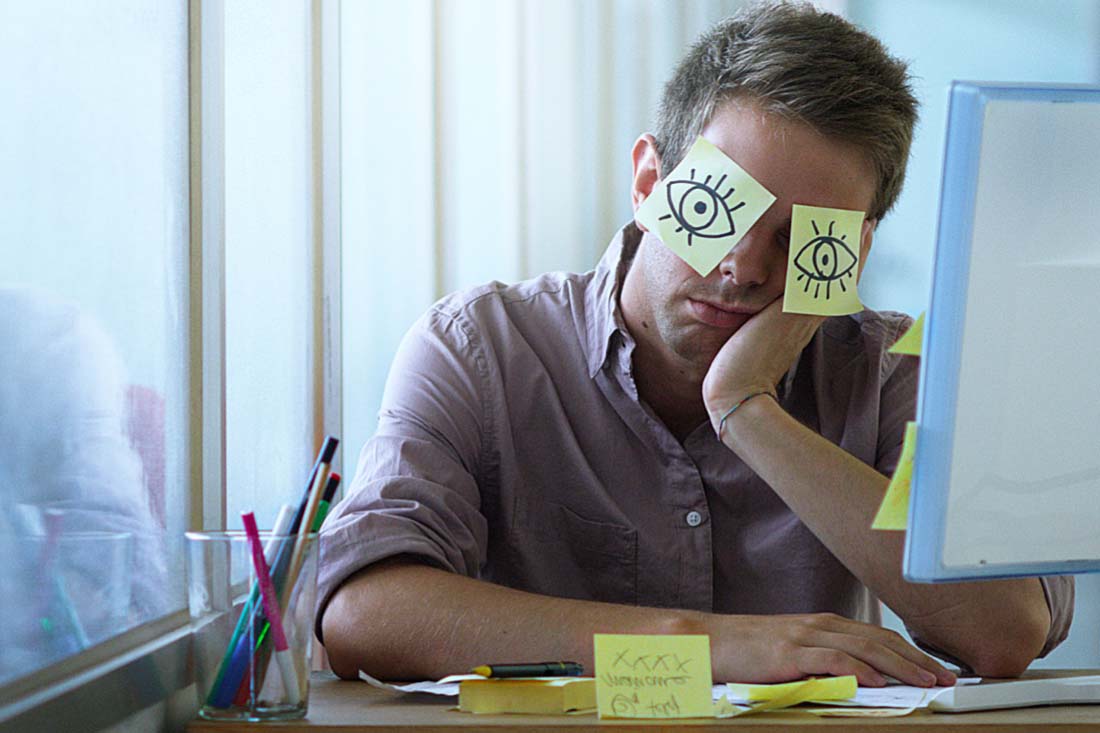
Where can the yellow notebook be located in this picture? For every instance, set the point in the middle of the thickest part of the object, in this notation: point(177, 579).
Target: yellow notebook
point(542, 695)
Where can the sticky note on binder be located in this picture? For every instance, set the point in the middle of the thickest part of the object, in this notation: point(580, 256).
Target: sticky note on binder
point(893, 513)
point(653, 676)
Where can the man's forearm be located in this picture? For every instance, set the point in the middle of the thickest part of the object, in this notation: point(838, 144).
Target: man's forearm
point(997, 627)
point(401, 620)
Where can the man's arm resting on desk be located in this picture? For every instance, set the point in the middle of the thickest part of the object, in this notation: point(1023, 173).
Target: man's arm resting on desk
point(402, 620)
point(996, 627)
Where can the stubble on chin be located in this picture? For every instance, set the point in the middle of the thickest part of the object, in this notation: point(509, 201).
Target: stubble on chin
point(693, 348)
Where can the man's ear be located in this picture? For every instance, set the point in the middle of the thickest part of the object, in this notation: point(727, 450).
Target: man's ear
point(647, 171)
point(865, 239)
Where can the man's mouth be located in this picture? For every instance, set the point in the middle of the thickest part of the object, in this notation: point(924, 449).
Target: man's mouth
point(720, 315)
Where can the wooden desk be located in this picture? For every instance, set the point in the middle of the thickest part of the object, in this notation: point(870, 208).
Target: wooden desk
point(341, 707)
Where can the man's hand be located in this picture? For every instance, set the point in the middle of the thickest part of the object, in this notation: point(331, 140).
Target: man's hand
point(756, 357)
point(783, 648)
point(760, 352)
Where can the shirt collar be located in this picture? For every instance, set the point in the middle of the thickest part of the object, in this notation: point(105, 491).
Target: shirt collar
point(605, 319)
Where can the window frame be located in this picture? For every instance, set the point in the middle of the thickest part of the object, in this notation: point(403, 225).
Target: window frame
point(149, 667)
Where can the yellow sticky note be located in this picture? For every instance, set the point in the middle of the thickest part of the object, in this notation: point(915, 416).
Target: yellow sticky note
point(823, 261)
point(642, 676)
point(912, 341)
point(815, 689)
point(704, 206)
point(893, 513)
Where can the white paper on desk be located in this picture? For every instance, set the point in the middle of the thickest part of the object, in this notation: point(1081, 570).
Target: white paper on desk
point(896, 696)
point(891, 696)
point(447, 686)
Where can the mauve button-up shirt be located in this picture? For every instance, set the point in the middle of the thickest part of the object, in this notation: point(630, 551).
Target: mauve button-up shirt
point(512, 446)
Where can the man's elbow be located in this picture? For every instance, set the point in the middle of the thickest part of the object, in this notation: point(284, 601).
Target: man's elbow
point(1009, 652)
point(339, 645)
point(382, 593)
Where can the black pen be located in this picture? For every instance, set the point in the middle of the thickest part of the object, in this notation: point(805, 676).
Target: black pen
point(539, 669)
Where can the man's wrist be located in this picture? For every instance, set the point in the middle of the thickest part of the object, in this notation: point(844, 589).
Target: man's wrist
point(721, 415)
point(741, 422)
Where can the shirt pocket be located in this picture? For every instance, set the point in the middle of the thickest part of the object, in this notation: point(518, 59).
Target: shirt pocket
point(562, 553)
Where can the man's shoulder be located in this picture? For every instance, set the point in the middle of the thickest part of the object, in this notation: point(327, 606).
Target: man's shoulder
point(869, 331)
point(547, 299)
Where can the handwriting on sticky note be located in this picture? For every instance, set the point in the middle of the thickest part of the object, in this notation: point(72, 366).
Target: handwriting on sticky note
point(823, 261)
point(641, 676)
point(893, 513)
point(704, 206)
point(912, 341)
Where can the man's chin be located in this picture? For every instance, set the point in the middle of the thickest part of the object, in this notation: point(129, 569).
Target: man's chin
point(700, 346)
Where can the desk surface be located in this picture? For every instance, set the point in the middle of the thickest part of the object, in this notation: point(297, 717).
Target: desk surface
point(337, 706)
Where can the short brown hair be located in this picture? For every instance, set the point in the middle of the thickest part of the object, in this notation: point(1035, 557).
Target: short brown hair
point(804, 64)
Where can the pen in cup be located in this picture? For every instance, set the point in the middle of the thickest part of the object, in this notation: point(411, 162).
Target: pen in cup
point(271, 607)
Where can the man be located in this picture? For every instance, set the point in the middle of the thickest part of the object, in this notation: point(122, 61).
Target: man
point(552, 459)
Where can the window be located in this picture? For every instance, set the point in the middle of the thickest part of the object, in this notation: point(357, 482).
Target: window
point(269, 257)
point(160, 264)
point(93, 307)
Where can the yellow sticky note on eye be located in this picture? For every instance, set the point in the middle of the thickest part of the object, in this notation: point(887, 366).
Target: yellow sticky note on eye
point(647, 676)
point(823, 261)
point(704, 206)
point(893, 513)
point(912, 341)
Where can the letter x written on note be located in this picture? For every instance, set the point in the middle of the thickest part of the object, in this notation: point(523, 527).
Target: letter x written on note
point(641, 676)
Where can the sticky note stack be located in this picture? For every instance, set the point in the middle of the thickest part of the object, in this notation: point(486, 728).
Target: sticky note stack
point(542, 695)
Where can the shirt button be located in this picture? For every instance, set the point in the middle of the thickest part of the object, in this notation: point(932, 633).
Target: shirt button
point(694, 519)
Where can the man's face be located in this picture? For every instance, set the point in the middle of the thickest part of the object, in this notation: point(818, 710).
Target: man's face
point(691, 317)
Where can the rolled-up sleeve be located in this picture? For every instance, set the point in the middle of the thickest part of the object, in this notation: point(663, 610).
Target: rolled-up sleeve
point(416, 488)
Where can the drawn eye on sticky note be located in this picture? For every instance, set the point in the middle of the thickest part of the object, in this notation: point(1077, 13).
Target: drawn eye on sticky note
point(704, 206)
point(823, 261)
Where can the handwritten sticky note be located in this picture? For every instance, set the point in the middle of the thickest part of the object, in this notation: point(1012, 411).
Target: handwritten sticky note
point(640, 676)
point(823, 261)
point(704, 206)
point(814, 689)
point(912, 341)
point(893, 513)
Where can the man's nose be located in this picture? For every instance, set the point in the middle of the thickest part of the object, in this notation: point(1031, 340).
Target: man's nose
point(747, 263)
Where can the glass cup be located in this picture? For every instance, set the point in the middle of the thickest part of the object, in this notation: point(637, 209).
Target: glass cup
point(241, 674)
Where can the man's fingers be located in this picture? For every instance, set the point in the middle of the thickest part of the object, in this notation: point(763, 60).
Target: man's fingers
point(823, 661)
point(880, 656)
point(895, 641)
point(869, 637)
